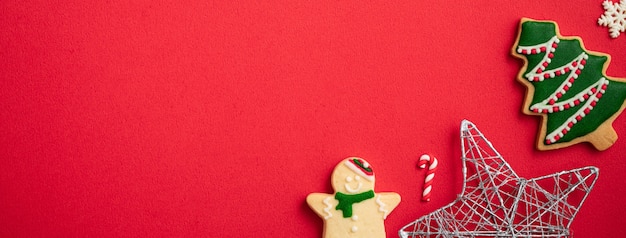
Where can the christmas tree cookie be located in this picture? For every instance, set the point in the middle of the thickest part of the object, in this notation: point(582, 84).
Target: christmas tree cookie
point(567, 86)
point(354, 210)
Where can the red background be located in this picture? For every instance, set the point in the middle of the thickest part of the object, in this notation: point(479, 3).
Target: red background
point(216, 119)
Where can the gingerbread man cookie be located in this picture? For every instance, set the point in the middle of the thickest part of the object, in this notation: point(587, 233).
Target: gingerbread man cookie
point(354, 210)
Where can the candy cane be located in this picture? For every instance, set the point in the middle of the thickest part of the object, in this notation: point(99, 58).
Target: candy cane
point(428, 182)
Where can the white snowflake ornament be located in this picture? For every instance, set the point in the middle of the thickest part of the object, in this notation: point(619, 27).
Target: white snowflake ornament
point(614, 17)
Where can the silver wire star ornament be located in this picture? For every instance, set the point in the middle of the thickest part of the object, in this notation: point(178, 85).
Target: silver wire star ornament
point(495, 202)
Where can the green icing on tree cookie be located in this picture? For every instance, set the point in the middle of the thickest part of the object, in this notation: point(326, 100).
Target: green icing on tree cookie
point(568, 86)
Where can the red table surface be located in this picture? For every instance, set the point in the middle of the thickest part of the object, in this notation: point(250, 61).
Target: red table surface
point(218, 118)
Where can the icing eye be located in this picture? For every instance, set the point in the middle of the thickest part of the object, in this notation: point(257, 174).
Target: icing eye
point(349, 179)
point(357, 178)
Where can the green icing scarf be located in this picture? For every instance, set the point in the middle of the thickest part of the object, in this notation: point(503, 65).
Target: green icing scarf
point(346, 201)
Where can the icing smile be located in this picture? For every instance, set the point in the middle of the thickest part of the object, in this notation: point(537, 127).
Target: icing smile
point(353, 190)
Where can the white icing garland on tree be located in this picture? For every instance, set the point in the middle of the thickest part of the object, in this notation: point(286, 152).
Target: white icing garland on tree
point(590, 96)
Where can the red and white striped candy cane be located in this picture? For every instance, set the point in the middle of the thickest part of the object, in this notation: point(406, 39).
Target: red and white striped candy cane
point(428, 182)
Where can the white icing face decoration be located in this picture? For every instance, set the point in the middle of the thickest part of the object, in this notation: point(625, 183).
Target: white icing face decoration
point(353, 175)
point(358, 187)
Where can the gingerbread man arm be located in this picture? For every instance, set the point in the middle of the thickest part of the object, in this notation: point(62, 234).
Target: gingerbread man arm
point(321, 203)
point(389, 201)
